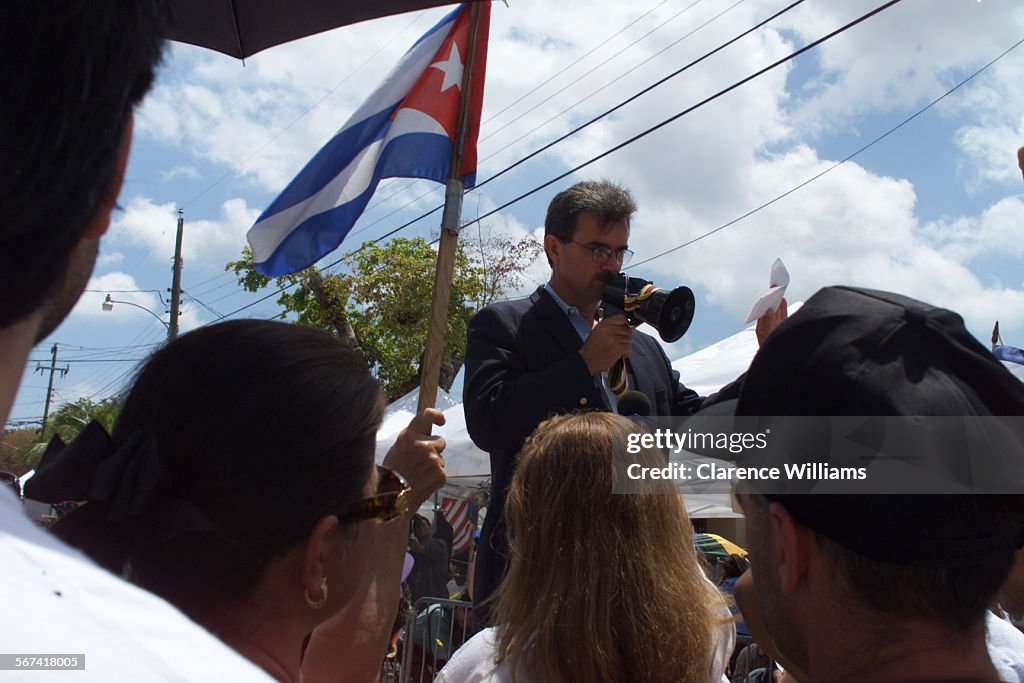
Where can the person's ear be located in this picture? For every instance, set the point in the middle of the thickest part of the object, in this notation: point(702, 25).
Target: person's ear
point(100, 221)
point(553, 247)
point(324, 547)
point(793, 543)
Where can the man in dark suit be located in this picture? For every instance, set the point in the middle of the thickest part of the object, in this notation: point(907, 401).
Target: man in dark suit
point(551, 352)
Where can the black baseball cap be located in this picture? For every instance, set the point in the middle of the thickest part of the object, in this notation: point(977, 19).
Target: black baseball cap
point(861, 352)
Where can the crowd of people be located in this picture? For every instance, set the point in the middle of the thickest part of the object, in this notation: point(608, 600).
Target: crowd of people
point(234, 524)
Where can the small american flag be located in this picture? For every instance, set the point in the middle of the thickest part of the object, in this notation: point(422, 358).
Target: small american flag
point(456, 511)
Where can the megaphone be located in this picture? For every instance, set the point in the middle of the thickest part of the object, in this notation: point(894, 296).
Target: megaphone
point(641, 302)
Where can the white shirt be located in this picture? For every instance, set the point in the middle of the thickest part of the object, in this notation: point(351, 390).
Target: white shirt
point(54, 600)
point(1005, 648)
point(474, 661)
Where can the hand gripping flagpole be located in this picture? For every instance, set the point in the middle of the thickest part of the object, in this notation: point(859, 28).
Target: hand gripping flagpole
point(430, 368)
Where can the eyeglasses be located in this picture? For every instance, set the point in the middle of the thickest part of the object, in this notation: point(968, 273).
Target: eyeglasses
point(601, 254)
point(390, 501)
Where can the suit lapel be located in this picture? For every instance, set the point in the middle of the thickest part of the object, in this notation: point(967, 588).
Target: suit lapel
point(556, 322)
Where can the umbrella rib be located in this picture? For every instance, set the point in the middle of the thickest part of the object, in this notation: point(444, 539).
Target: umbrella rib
point(238, 31)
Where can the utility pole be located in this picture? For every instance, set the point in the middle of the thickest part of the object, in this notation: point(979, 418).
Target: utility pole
point(49, 389)
point(172, 330)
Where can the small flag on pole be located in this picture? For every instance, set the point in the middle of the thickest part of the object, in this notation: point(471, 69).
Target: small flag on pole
point(1009, 354)
point(405, 129)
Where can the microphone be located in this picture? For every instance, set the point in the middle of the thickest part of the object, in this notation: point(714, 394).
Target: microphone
point(634, 403)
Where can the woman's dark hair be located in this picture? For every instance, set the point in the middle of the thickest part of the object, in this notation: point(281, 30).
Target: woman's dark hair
point(263, 428)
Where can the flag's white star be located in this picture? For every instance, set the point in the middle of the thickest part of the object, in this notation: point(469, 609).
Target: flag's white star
point(452, 69)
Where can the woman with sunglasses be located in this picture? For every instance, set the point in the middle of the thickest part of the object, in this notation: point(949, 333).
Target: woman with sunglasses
point(603, 583)
point(239, 484)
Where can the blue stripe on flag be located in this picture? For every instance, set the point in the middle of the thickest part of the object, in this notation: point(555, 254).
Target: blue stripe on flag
point(414, 155)
point(330, 160)
point(315, 236)
point(449, 18)
point(1009, 353)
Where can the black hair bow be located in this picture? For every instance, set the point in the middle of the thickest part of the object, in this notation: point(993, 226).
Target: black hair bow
point(91, 469)
point(127, 480)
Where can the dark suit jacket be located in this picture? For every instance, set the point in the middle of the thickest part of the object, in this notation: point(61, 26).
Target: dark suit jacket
point(523, 366)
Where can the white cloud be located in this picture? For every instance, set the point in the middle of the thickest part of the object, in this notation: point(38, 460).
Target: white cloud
point(190, 172)
point(995, 128)
point(898, 59)
point(995, 232)
point(121, 287)
point(205, 241)
point(108, 259)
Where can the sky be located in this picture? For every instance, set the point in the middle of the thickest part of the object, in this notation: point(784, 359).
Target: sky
point(931, 210)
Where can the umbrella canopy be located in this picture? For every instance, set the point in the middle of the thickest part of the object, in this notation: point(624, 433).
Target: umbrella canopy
point(241, 28)
point(715, 548)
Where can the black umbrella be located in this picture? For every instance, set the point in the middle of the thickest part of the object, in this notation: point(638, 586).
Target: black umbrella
point(241, 28)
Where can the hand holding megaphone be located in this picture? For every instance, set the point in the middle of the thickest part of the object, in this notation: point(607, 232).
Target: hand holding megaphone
point(608, 342)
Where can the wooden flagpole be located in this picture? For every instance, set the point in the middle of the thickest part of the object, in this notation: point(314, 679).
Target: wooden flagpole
point(430, 370)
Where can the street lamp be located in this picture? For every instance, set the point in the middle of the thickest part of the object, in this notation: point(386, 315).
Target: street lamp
point(108, 305)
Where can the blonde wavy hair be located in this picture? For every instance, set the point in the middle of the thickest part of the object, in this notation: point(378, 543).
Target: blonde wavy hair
point(601, 586)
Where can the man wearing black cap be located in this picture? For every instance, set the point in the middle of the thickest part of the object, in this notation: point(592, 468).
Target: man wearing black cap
point(876, 587)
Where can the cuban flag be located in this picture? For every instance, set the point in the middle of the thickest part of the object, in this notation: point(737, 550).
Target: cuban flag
point(405, 129)
point(456, 511)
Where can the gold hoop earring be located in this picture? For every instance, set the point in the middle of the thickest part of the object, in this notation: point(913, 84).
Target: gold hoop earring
point(317, 604)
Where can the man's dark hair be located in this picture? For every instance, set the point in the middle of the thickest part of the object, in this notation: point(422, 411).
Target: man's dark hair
point(73, 70)
point(264, 428)
point(955, 597)
point(607, 201)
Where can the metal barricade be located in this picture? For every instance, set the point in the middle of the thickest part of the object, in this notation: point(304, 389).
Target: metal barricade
point(438, 628)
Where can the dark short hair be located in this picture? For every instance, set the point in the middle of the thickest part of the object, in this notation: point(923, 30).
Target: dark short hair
point(606, 200)
point(265, 427)
point(73, 71)
point(956, 597)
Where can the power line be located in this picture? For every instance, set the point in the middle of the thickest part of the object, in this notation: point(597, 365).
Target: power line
point(381, 200)
point(584, 56)
point(628, 142)
point(122, 291)
point(90, 360)
point(238, 166)
point(652, 87)
point(539, 151)
point(435, 188)
point(606, 61)
point(592, 121)
point(618, 78)
point(674, 117)
point(838, 163)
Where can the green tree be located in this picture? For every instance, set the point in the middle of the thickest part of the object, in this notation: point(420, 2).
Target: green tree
point(21, 449)
point(14, 449)
point(382, 306)
point(71, 418)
